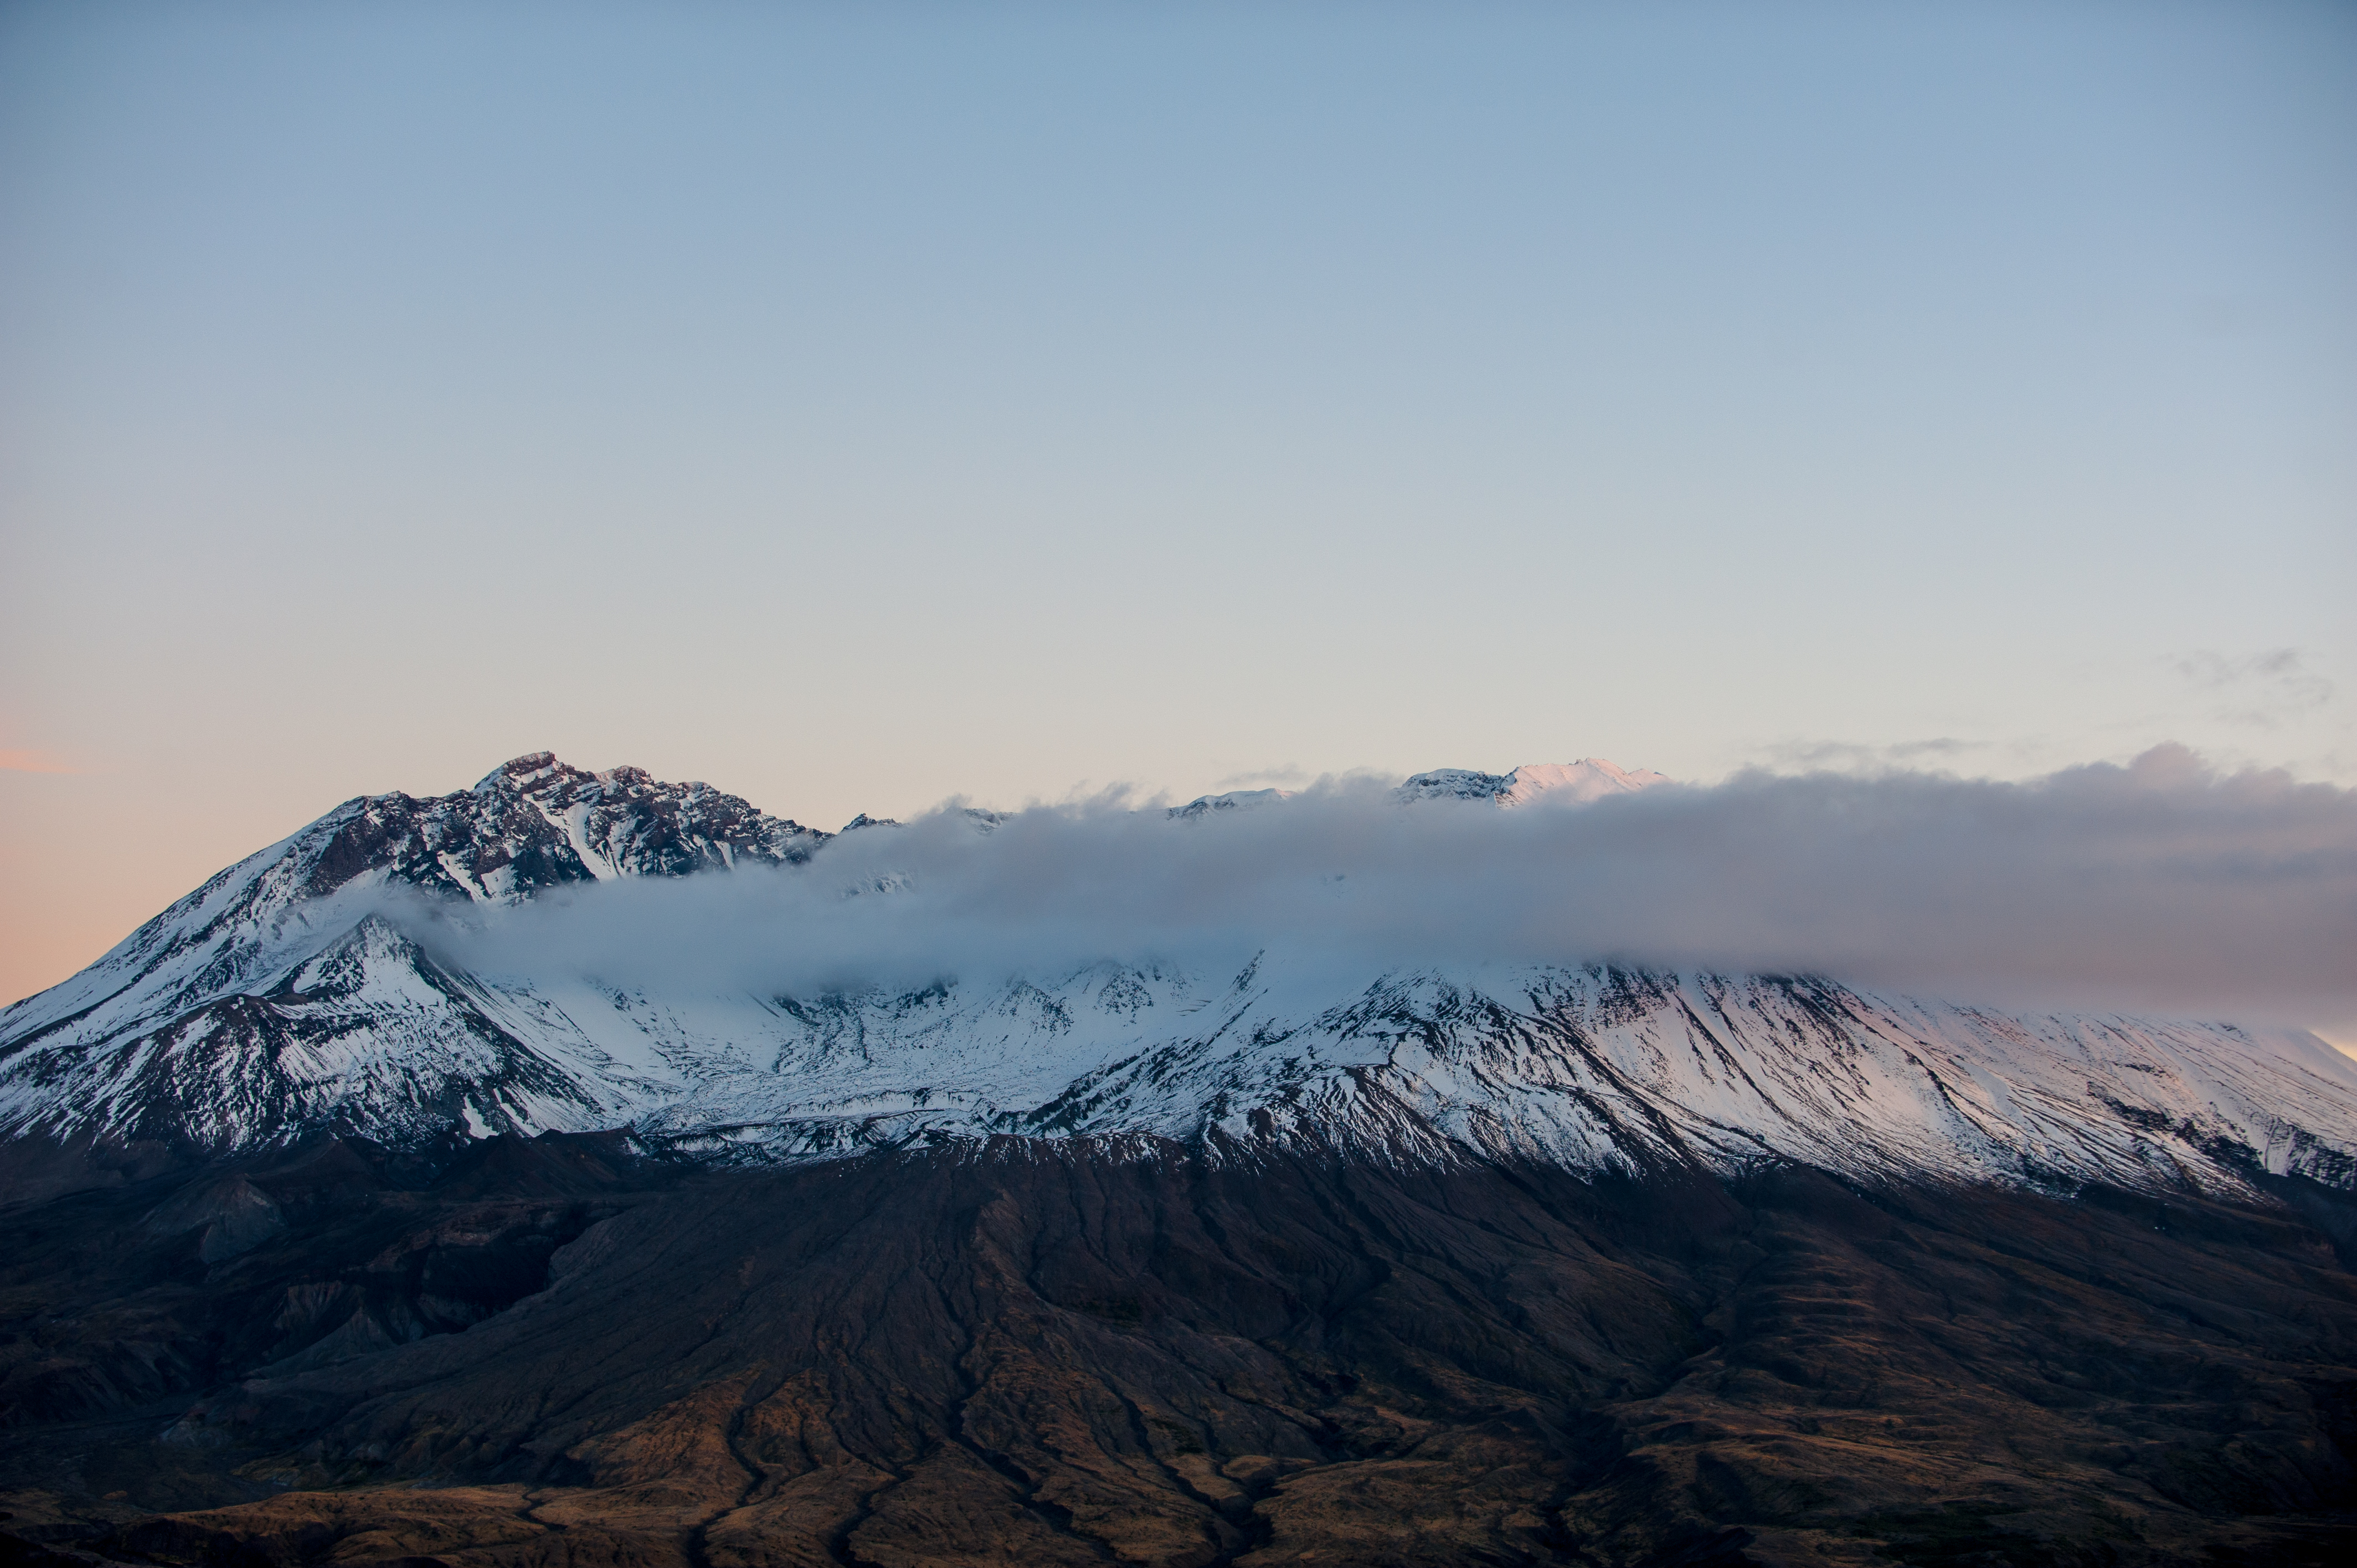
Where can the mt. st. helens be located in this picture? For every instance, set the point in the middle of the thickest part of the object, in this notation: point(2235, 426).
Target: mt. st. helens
point(288, 998)
point(1440, 1266)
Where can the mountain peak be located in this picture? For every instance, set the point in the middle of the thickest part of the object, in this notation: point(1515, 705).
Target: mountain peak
point(1560, 783)
point(534, 823)
point(1234, 799)
point(519, 771)
point(1589, 779)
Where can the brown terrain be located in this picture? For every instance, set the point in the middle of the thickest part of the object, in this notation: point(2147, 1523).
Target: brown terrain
point(559, 1354)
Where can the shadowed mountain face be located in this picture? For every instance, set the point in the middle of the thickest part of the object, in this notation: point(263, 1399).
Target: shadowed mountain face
point(558, 1351)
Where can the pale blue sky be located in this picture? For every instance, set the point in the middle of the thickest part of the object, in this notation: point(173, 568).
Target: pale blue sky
point(855, 404)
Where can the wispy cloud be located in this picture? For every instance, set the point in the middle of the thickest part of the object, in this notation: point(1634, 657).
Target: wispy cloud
point(1850, 757)
point(28, 761)
point(1284, 775)
point(2257, 689)
point(2163, 884)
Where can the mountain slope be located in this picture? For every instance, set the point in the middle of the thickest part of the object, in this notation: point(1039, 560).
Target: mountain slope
point(1085, 1351)
point(291, 997)
point(275, 999)
point(1587, 1069)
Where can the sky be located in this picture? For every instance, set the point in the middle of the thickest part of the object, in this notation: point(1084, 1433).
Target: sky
point(855, 406)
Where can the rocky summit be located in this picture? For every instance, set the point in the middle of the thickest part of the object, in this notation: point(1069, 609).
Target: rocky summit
point(318, 1245)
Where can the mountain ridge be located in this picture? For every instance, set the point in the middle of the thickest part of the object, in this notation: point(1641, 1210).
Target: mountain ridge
point(297, 995)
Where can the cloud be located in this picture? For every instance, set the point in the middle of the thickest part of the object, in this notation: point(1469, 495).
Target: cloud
point(27, 761)
point(2257, 689)
point(1285, 775)
point(1851, 756)
point(2160, 886)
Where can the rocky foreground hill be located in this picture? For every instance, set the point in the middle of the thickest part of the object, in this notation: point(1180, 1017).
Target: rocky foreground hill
point(319, 1247)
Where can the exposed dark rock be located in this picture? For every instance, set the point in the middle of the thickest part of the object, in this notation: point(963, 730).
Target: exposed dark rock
point(1089, 1353)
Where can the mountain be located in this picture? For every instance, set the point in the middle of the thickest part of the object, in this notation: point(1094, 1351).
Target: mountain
point(1234, 800)
point(1559, 783)
point(288, 999)
point(565, 1351)
point(276, 998)
point(1563, 783)
point(325, 1245)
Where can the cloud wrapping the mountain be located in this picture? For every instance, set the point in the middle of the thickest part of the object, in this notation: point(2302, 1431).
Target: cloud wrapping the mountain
point(2160, 886)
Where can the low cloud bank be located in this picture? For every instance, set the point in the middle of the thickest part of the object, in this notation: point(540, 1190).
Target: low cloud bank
point(2162, 886)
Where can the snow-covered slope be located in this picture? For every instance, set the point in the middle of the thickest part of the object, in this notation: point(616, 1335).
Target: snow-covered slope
point(210, 991)
point(285, 997)
point(1588, 1067)
point(1234, 800)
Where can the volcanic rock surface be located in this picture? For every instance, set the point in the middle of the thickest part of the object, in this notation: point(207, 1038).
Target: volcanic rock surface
point(563, 1351)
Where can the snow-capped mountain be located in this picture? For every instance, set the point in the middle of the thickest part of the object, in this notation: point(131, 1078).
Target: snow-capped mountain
point(1559, 783)
point(287, 996)
point(199, 1018)
point(1234, 800)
